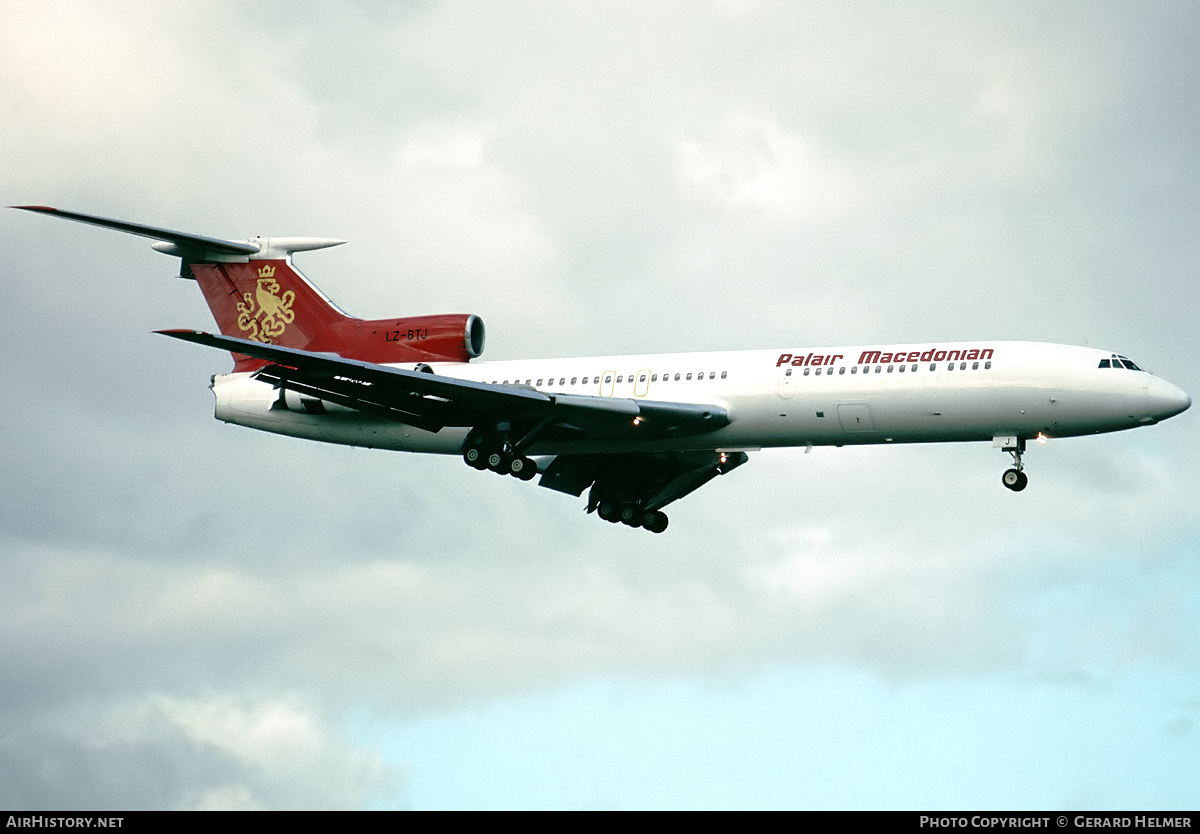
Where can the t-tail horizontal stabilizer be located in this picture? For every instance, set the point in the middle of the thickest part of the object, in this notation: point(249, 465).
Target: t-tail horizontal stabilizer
point(198, 248)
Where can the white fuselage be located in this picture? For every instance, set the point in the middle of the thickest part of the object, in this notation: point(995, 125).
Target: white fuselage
point(792, 397)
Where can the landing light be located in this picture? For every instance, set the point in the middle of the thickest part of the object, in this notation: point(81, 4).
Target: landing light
point(637, 421)
point(1041, 439)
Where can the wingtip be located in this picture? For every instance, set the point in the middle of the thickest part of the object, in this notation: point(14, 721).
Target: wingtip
point(50, 209)
point(181, 332)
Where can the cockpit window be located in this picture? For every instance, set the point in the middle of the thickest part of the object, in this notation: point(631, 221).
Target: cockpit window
point(1116, 361)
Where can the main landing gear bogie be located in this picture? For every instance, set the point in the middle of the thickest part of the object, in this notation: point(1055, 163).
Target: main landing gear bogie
point(631, 515)
point(501, 462)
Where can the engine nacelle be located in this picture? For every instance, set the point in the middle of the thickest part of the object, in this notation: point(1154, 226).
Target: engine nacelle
point(445, 338)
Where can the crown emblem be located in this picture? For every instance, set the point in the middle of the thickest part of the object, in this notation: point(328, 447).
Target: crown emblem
point(266, 312)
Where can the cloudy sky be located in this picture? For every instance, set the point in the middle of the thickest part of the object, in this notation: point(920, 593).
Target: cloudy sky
point(195, 615)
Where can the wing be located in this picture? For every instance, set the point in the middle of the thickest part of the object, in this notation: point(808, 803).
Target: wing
point(431, 401)
point(504, 420)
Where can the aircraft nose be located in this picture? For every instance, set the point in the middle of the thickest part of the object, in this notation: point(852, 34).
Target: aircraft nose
point(1166, 400)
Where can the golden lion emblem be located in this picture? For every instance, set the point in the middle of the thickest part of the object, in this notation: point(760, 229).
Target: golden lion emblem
point(266, 314)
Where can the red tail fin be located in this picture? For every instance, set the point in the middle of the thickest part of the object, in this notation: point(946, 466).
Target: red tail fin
point(270, 301)
point(266, 299)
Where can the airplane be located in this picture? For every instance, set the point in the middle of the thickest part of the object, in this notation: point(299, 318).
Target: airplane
point(637, 432)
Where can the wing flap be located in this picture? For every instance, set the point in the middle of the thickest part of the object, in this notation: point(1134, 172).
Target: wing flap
point(651, 480)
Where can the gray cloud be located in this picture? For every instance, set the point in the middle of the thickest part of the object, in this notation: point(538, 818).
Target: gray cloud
point(600, 180)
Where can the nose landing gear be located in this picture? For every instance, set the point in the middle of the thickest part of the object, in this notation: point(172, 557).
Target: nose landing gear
point(1015, 478)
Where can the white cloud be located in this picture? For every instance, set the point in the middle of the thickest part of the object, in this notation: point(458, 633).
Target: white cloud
point(163, 753)
point(753, 167)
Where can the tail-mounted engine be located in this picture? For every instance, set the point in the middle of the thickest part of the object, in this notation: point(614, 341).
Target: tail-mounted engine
point(444, 338)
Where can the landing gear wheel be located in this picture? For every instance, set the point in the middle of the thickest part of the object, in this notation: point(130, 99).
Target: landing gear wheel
point(474, 458)
point(498, 462)
point(631, 515)
point(655, 521)
point(1015, 480)
point(522, 468)
point(608, 511)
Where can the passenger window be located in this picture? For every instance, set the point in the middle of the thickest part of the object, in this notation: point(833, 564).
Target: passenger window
point(573, 379)
point(841, 370)
point(724, 374)
point(788, 372)
point(890, 368)
point(689, 376)
point(902, 368)
point(607, 378)
point(677, 377)
point(913, 369)
point(818, 371)
point(878, 368)
point(962, 366)
point(539, 382)
point(654, 377)
point(806, 370)
point(974, 366)
point(987, 366)
point(713, 374)
point(933, 367)
point(854, 370)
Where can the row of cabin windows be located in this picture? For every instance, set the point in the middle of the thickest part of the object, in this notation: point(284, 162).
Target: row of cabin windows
point(962, 366)
point(608, 379)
